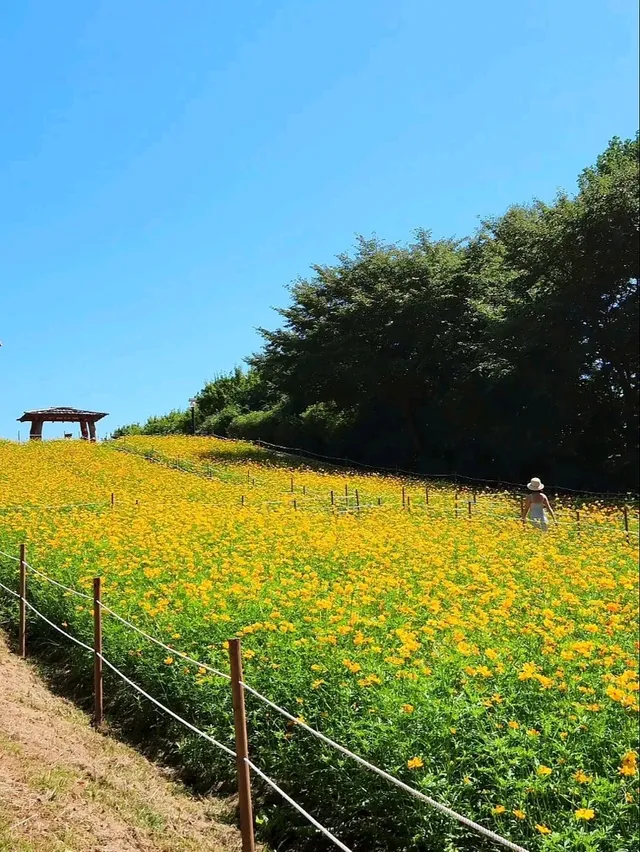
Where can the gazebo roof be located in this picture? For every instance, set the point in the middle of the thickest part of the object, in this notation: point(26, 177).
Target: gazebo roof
point(61, 414)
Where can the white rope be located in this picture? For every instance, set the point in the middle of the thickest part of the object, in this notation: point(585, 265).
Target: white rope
point(55, 627)
point(7, 589)
point(411, 790)
point(166, 709)
point(9, 556)
point(294, 804)
point(56, 583)
point(127, 680)
point(162, 645)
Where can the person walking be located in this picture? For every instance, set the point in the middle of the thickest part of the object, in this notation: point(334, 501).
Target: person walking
point(536, 505)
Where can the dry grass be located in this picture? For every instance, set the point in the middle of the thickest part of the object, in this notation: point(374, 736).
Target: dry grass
point(66, 788)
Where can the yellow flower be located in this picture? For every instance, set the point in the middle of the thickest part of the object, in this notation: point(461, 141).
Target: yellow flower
point(527, 671)
point(317, 684)
point(169, 661)
point(543, 771)
point(513, 725)
point(582, 777)
point(498, 809)
point(353, 667)
point(629, 765)
point(518, 814)
point(533, 732)
point(585, 813)
point(415, 763)
point(408, 708)
point(542, 828)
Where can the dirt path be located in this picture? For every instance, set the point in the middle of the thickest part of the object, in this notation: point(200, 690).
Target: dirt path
point(66, 788)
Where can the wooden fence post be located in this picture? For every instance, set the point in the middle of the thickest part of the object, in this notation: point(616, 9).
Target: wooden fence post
point(379, 501)
point(98, 709)
point(625, 512)
point(22, 631)
point(404, 499)
point(456, 504)
point(242, 748)
point(332, 499)
point(426, 496)
point(578, 521)
point(292, 485)
point(469, 505)
point(357, 500)
point(113, 499)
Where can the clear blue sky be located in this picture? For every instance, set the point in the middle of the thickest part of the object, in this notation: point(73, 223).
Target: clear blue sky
point(167, 168)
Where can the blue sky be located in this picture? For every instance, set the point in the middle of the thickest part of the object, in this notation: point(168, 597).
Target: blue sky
point(167, 169)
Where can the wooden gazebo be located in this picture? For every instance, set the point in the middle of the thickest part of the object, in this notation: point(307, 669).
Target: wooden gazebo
point(86, 419)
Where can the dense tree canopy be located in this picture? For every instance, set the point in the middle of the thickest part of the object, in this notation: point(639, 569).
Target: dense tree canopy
point(509, 353)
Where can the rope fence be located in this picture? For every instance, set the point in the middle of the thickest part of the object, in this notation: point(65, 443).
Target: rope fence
point(340, 462)
point(239, 688)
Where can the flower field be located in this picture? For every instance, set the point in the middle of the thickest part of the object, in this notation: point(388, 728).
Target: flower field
point(490, 665)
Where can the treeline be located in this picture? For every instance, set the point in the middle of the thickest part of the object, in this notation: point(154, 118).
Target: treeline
point(511, 353)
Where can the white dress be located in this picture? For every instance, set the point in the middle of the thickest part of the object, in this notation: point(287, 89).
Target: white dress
point(538, 516)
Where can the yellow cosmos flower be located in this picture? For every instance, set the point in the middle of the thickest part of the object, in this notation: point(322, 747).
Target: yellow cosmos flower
point(415, 763)
point(585, 813)
point(629, 764)
point(544, 771)
point(582, 777)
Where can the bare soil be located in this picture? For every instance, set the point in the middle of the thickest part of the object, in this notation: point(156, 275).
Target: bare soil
point(66, 788)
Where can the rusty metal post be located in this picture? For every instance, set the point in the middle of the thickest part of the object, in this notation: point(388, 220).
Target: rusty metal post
point(22, 630)
point(98, 708)
point(242, 748)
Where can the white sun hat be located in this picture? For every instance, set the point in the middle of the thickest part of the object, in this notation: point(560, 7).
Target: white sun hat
point(535, 484)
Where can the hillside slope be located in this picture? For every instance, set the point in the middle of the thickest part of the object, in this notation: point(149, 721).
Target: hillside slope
point(66, 788)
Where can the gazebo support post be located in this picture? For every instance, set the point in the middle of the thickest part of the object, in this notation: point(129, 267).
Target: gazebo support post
point(35, 433)
point(84, 429)
point(92, 430)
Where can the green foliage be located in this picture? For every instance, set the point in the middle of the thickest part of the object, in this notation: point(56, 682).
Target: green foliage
point(513, 351)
